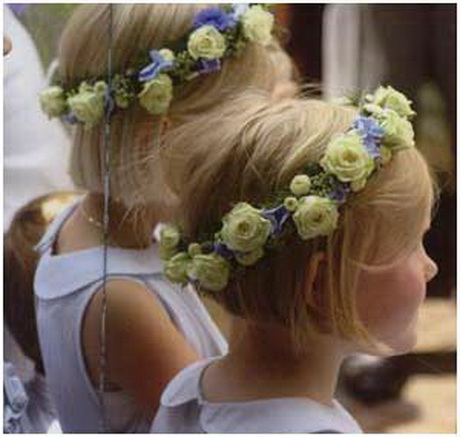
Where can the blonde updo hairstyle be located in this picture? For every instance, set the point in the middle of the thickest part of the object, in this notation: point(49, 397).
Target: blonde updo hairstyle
point(253, 146)
point(138, 28)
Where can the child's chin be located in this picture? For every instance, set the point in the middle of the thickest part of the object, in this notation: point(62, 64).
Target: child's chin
point(405, 344)
point(401, 345)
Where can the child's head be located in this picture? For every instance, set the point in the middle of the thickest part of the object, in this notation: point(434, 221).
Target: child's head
point(20, 260)
point(250, 149)
point(137, 29)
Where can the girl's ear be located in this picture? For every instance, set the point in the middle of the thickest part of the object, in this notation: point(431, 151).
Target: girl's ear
point(315, 279)
point(316, 293)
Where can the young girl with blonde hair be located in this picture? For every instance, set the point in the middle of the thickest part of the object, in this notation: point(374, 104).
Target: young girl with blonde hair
point(151, 67)
point(306, 224)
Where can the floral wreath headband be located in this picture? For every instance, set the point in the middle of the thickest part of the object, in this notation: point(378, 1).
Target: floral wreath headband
point(217, 33)
point(310, 206)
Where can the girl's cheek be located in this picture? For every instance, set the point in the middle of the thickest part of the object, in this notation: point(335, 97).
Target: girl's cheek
point(388, 303)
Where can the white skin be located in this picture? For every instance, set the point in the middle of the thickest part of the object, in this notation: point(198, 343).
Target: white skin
point(7, 46)
point(387, 302)
point(391, 316)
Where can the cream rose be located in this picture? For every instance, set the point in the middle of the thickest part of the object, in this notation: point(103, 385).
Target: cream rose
point(399, 133)
point(52, 101)
point(290, 203)
point(167, 253)
point(167, 55)
point(169, 236)
point(315, 216)
point(245, 230)
point(211, 271)
point(87, 105)
point(100, 88)
point(258, 25)
point(156, 95)
point(169, 240)
point(248, 259)
point(374, 110)
point(358, 184)
point(176, 268)
point(347, 158)
point(300, 185)
point(194, 249)
point(206, 43)
point(389, 98)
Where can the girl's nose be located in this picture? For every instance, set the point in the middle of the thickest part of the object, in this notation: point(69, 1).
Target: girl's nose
point(431, 269)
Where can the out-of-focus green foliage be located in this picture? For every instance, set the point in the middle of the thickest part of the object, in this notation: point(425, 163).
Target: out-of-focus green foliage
point(45, 23)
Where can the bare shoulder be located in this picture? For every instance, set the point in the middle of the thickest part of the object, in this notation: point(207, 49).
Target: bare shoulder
point(127, 297)
point(131, 309)
point(144, 347)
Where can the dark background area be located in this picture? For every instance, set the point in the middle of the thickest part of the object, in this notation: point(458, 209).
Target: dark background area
point(419, 41)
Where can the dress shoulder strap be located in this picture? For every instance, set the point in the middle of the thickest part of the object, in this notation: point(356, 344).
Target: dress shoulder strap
point(51, 233)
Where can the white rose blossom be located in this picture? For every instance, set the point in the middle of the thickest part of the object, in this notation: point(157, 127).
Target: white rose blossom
point(389, 98)
point(87, 105)
point(347, 158)
point(157, 94)
point(258, 25)
point(315, 216)
point(206, 43)
point(52, 101)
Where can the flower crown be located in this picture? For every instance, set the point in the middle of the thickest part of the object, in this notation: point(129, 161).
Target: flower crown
point(309, 208)
point(217, 33)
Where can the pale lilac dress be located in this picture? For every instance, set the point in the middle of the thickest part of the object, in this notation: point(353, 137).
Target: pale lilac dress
point(64, 285)
point(183, 410)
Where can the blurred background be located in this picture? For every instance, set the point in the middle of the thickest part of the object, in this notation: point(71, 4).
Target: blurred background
point(347, 49)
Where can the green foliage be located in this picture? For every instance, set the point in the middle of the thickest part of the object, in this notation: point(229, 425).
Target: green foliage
point(45, 23)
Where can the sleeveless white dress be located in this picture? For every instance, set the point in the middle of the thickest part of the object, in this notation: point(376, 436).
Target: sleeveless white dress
point(64, 285)
point(184, 410)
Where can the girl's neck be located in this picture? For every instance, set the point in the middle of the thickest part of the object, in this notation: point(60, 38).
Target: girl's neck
point(126, 229)
point(262, 365)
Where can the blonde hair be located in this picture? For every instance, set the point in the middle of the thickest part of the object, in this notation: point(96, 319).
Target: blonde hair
point(253, 146)
point(138, 28)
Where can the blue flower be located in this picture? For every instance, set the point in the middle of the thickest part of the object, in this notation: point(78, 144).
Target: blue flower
point(214, 17)
point(70, 118)
point(372, 148)
point(371, 132)
point(222, 250)
point(239, 9)
point(278, 217)
point(340, 193)
point(206, 66)
point(368, 127)
point(158, 64)
point(207, 248)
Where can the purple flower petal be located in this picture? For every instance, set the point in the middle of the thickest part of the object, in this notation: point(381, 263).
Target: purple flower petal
point(206, 66)
point(372, 147)
point(214, 17)
point(70, 118)
point(278, 217)
point(157, 65)
point(367, 126)
point(371, 133)
point(340, 193)
point(207, 248)
point(222, 250)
